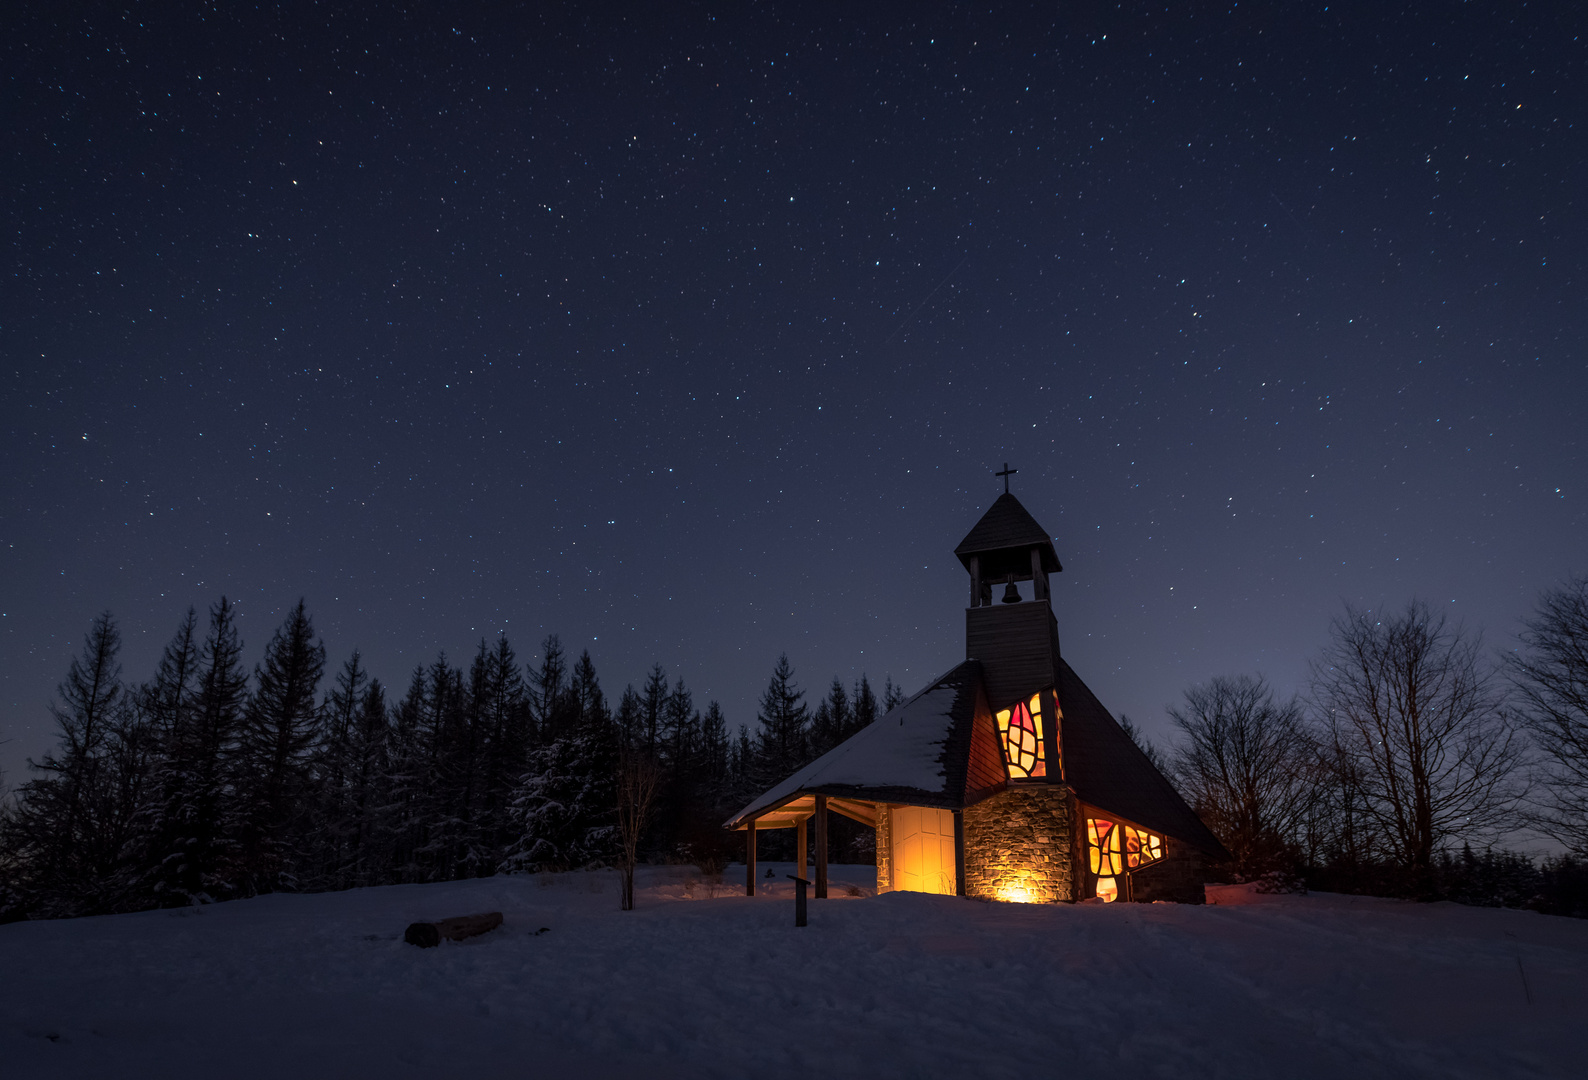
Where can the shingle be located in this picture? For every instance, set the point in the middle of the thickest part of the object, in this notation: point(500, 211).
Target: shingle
point(1005, 525)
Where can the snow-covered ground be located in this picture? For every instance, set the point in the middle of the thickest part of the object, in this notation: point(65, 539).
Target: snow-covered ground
point(696, 984)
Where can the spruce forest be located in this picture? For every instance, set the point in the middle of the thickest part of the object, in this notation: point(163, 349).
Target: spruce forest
point(206, 783)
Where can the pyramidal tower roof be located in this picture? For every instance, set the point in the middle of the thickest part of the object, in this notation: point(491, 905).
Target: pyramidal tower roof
point(1004, 527)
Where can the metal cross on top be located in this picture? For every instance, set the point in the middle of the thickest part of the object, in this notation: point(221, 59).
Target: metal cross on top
point(1006, 474)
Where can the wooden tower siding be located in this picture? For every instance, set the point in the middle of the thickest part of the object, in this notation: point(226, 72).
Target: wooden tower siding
point(984, 771)
point(1014, 644)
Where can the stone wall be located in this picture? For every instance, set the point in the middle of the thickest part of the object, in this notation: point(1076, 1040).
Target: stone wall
point(1018, 844)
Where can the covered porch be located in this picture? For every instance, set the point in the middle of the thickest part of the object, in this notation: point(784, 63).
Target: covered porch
point(919, 848)
point(792, 813)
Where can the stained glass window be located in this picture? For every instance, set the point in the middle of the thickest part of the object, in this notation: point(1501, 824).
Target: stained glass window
point(1021, 730)
point(1102, 845)
point(1113, 849)
point(1141, 847)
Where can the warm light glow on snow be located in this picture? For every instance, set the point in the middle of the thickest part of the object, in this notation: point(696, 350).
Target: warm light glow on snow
point(1018, 891)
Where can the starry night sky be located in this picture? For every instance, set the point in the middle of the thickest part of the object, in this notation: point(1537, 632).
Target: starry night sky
point(695, 333)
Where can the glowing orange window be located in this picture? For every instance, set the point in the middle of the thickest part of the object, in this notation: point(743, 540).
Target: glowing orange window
point(1021, 730)
point(1102, 844)
point(1109, 857)
point(1141, 847)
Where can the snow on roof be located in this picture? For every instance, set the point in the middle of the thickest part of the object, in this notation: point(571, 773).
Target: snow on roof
point(903, 749)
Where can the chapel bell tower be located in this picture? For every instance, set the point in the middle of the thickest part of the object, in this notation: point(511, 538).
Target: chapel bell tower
point(1016, 640)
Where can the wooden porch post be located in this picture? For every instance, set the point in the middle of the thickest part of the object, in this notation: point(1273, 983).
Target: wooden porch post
point(821, 847)
point(801, 848)
point(749, 857)
point(959, 853)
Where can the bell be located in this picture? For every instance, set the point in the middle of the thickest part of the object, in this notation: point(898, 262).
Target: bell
point(1011, 594)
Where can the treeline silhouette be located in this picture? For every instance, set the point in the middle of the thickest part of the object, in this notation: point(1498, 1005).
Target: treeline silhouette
point(1411, 748)
point(204, 784)
point(1412, 755)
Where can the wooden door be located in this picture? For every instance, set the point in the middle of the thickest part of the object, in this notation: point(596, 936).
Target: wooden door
point(923, 849)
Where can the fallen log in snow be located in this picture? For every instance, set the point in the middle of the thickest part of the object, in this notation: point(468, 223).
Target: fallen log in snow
point(427, 935)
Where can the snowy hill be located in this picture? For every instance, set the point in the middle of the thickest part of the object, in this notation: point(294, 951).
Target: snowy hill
point(695, 984)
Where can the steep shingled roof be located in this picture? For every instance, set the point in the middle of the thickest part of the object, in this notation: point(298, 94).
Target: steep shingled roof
point(1109, 771)
point(1007, 524)
point(917, 753)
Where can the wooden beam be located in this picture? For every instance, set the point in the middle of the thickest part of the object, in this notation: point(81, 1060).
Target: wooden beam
point(821, 848)
point(1052, 737)
point(801, 849)
point(749, 857)
point(774, 821)
point(865, 813)
point(975, 580)
point(799, 802)
point(959, 853)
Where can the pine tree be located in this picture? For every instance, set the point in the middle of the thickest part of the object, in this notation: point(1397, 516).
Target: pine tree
point(125, 804)
point(509, 733)
point(199, 863)
point(327, 863)
point(166, 700)
point(630, 719)
point(864, 710)
point(741, 769)
point(167, 707)
point(369, 852)
point(783, 743)
point(466, 763)
point(892, 696)
point(406, 783)
point(440, 741)
point(548, 684)
point(65, 829)
point(675, 818)
point(715, 761)
point(831, 722)
point(89, 701)
point(280, 729)
point(654, 704)
point(565, 804)
point(680, 729)
point(586, 706)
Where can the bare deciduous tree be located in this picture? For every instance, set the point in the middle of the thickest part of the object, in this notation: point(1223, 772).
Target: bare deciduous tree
point(1245, 765)
point(638, 777)
point(1417, 722)
point(1551, 678)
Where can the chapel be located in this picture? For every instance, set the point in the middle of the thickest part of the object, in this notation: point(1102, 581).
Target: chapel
point(1005, 777)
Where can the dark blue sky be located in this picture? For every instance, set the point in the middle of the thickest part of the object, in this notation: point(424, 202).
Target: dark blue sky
point(694, 334)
